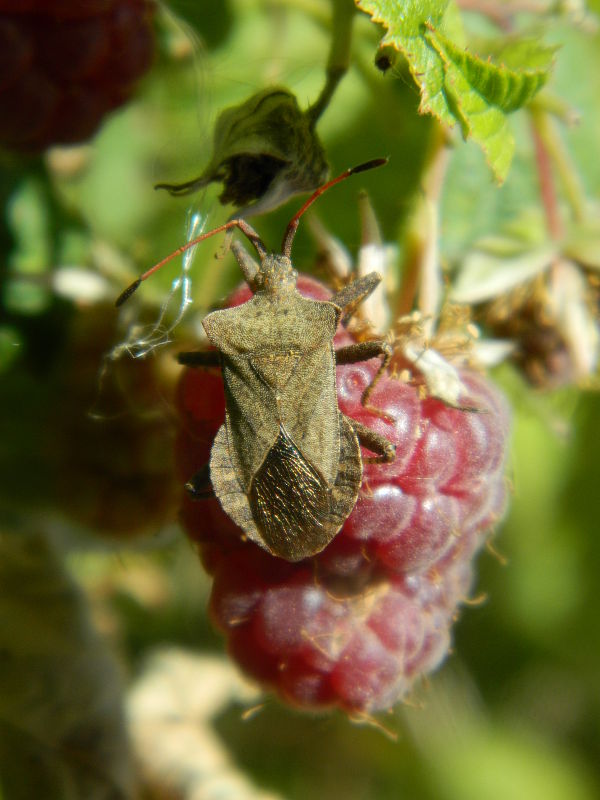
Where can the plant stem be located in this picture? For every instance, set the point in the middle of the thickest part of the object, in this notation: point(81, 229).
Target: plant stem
point(547, 187)
point(343, 12)
point(545, 129)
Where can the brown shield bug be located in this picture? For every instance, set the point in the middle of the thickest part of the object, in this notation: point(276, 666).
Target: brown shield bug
point(286, 465)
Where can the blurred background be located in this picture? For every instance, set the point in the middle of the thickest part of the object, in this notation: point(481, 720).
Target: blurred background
point(97, 581)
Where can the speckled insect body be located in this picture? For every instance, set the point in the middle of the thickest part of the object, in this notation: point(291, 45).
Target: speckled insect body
point(292, 456)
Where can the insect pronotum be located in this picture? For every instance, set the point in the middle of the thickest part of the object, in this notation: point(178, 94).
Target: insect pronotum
point(286, 465)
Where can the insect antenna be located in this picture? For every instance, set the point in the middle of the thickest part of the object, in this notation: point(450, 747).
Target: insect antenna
point(292, 227)
point(247, 229)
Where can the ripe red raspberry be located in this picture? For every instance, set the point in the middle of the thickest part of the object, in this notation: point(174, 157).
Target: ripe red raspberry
point(354, 625)
point(64, 64)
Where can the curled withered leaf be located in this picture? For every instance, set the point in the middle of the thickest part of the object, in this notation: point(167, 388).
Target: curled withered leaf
point(265, 150)
point(375, 255)
point(571, 306)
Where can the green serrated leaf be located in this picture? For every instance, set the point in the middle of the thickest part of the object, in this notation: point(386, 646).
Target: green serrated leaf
point(482, 94)
point(405, 20)
point(527, 54)
point(505, 88)
point(478, 119)
point(405, 23)
point(457, 86)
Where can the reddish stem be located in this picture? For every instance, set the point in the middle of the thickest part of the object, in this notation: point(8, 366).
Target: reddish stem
point(547, 186)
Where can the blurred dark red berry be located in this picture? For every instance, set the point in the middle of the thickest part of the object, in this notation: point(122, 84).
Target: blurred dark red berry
point(109, 435)
point(64, 64)
point(355, 625)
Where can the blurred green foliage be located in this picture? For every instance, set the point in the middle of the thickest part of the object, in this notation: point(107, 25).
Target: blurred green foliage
point(515, 713)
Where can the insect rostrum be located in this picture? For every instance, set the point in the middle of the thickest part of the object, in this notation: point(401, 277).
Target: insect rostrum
point(286, 465)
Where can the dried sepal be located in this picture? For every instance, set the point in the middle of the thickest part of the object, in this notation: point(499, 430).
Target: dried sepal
point(433, 363)
point(265, 151)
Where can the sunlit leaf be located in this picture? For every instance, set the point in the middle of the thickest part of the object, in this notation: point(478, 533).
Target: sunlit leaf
point(485, 275)
point(458, 86)
point(583, 246)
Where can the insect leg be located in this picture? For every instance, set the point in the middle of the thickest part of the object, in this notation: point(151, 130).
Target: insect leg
point(363, 351)
point(200, 358)
point(375, 442)
point(199, 486)
point(354, 293)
